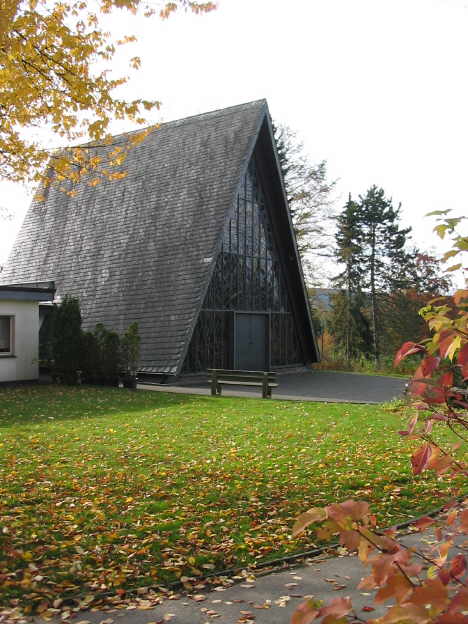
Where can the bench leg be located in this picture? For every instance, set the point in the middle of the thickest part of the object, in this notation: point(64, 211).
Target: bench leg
point(265, 386)
point(214, 386)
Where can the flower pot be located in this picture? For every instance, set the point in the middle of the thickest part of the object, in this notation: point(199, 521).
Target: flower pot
point(129, 381)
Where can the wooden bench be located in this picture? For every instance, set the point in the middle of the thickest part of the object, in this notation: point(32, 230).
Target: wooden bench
point(219, 377)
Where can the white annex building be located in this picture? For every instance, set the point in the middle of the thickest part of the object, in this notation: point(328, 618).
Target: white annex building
point(19, 329)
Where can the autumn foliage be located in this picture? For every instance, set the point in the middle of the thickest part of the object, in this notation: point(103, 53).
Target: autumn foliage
point(423, 588)
point(395, 570)
point(55, 62)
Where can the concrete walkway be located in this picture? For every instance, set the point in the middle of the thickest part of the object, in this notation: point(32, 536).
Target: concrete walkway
point(270, 599)
point(323, 386)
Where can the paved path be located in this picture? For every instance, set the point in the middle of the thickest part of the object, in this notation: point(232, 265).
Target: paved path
point(270, 599)
point(310, 386)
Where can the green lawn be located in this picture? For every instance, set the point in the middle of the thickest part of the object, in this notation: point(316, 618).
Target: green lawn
point(105, 488)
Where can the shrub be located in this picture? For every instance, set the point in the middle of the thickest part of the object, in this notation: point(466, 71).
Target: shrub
point(66, 340)
point(90, 359)
point(101, 355)
point(130, 352)
point(108, 355)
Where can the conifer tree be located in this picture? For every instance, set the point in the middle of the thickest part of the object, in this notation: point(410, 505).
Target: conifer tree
point(371, 247)
point(347, 323)
point(384, 265)
point(66, 340)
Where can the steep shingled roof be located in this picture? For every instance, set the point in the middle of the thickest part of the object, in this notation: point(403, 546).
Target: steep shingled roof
point(141, 249)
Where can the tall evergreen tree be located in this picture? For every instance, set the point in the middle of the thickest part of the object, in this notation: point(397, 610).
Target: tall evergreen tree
point(371, 246)
point(308, 192)
point(349, 326)
point(385, 263)
point(347, 323)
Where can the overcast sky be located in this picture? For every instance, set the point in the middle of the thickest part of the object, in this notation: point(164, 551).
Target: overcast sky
point(378, 88)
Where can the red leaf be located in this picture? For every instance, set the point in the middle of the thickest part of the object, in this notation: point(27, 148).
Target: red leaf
point(452, 618)
point(350, 539)
point(460, 601)
point(446, 380)
point(305, 613)
point(420, 458)
point(356, 510)
point(463, 360)
point(430, 393)
point(408, 613)
point(411, 426)
point(397, 586)
point(444, 576)
point(440, 464)
point(423, 523)
point(464, 521)
point(428, 365)
point(338, 607)
point(434, 394)
point(458, 566)
point(432, 592)
point(451, 517)
point(407, 348)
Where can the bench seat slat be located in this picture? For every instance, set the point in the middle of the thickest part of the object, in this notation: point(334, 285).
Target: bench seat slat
point(258, 379)
point(247, 383)
point(222, 371)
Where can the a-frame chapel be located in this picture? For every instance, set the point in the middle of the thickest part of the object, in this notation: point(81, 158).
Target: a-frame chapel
point(195, 244)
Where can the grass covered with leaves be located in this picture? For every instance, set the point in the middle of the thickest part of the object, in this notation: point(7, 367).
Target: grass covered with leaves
point(104, 489)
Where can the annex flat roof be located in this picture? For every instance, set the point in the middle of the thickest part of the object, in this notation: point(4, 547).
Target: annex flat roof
point(35, 291)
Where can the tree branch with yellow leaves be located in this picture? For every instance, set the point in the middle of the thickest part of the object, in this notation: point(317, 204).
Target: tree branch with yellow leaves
point(51, 76)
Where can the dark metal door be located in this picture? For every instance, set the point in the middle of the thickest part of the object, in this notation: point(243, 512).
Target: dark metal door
point(251, 342)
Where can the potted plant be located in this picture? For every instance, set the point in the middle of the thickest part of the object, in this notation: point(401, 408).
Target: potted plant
point(130, 355)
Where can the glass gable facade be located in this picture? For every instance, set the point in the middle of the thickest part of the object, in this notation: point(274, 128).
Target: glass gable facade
point(248, 277)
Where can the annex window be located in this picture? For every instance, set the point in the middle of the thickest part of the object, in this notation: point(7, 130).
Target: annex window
point(6, 335)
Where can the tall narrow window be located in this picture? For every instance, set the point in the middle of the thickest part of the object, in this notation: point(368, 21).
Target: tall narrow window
point(6, 335)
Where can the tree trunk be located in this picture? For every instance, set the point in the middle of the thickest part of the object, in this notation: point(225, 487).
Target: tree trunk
point(374, 310)
point(348, 316)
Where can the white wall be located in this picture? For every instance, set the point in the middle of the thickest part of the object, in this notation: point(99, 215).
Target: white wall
point(24, 365)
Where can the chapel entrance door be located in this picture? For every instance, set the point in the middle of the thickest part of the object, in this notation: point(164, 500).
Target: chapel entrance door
point(251, 341)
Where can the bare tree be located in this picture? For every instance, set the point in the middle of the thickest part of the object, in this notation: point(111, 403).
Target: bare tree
point(309, 193)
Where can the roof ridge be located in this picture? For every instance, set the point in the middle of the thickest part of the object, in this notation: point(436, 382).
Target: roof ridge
point(227, 110)
point(160, 125)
